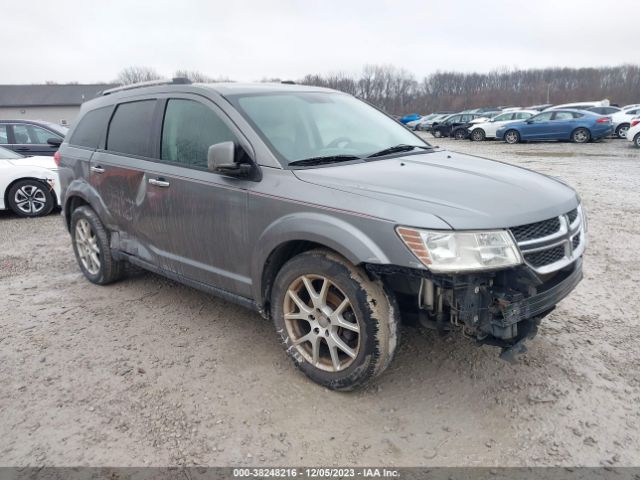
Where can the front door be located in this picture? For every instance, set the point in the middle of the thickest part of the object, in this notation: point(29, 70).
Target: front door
point(197, 219)
point(31, 140)
point(537, 127)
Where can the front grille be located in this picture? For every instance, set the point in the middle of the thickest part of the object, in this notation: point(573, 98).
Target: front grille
point(576, 241)
point(532, 231)
point(572, 215)
point(545, 257)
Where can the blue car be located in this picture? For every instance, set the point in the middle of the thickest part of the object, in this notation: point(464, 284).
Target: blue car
point(410, 118)
point(579, 126)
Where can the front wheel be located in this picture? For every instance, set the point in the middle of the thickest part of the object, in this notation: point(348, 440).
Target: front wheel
point(512, 136)
point(90, 241)
point(436, 133)
point(478, 135)
point(580, 135)
point(621, 130)
point(338, 326)
point(30, 198)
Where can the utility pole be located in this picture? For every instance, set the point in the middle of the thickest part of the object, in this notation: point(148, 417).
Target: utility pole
point(548, 90)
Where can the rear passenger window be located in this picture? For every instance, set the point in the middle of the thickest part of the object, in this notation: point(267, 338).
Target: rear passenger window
point(130, 128)
point(91, 128)
point(189, 129)
point(4, 136)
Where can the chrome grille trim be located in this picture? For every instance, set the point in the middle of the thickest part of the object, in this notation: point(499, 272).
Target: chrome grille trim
point(570, 235)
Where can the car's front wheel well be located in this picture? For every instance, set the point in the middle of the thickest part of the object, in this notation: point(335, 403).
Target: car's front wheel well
point(276, 259)
point(72, 204)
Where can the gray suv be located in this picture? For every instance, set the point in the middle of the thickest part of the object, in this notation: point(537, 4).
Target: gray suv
point(320, 212)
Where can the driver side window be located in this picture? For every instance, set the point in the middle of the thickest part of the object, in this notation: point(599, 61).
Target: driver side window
point(543, 117)
point(189, 129)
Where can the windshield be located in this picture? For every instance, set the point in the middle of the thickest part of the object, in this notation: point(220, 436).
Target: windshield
point(308, 125)
point(6, 154)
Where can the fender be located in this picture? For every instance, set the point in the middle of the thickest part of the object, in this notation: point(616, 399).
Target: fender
point(332, 232)
point(81, 188)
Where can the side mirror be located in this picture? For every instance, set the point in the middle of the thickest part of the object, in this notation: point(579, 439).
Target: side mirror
point(221, 158)
point(54, 142)
point(529, 122)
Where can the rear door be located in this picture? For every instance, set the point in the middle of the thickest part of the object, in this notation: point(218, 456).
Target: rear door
point(117, 172)
point(562, 124)
point(31, 140)
point(194, 220)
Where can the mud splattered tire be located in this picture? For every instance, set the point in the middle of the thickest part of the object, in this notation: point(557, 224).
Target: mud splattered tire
point(90, 240)
point(338, 326)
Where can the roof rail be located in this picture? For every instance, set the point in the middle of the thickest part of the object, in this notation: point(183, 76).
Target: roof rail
point(150, 83)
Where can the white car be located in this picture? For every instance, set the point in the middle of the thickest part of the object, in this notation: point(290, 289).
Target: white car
point(633, 134)
point(487, 128)
point(622, 120)
point(28, 185)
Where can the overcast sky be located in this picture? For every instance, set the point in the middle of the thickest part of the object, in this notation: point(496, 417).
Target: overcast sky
point(91, 41)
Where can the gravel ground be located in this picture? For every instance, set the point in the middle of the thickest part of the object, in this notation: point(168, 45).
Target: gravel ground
point(149, 372)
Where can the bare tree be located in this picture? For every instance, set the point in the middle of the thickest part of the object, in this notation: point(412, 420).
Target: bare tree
point(136, 74)
point(193, 75)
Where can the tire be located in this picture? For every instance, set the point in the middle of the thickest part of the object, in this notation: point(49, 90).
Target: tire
point(512, 136)
point(367, 327)
point(636, 140)
point(580, 135)
point(30, 198)
point(478, 135)
point(437, 133)
point(459, 134)
point(621, 130)
point(91, 245)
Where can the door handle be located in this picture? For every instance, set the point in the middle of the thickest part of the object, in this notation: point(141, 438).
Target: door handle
point(159, 182)
point(97, 169)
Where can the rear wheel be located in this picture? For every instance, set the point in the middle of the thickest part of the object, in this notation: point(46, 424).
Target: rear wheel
point(460, 134)
point(91, 246)
point(30, 198)
point(636, 140)
point(512, 136)
point(622, 129)
point(338, 326)
point(478, 135)
point(580, 135)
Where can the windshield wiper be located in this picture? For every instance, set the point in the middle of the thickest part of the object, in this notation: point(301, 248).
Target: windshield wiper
point(397, 149)
point(323, 160)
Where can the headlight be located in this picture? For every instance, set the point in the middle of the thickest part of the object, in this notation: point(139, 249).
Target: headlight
point(443, 251)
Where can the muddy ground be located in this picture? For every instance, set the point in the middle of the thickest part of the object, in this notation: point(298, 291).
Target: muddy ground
point(149, 372)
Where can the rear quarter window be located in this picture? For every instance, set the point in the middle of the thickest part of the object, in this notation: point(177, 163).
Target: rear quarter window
point(130, 128)
point(91, 129)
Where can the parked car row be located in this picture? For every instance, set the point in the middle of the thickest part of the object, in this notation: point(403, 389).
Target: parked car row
point(579, 122)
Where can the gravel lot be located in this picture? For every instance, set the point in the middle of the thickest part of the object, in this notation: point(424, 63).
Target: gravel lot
point(148, 372)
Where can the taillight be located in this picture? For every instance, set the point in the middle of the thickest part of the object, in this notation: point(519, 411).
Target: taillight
point(56, 158)
point(635, 122)
point(603, 120)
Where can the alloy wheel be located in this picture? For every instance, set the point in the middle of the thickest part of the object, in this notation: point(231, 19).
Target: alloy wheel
point(581, 136)
point(511, 137)
point(87, 246)
point(622, 131)
point(321, 323)
point(30, 199)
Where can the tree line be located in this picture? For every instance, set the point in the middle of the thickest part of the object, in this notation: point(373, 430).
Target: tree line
point(398, 91)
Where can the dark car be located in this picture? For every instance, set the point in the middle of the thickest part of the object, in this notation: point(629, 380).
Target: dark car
point(604, 110)
point(578, 126)
point(456, 123)
point(31, 137)
point(320, 212)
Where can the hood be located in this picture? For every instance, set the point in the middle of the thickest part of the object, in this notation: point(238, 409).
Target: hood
point(465, 191)
point(42, 162)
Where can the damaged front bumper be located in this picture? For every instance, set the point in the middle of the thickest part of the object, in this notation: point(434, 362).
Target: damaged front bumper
point(502, 308)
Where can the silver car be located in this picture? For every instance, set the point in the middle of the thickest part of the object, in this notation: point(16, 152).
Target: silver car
point(320, 212)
